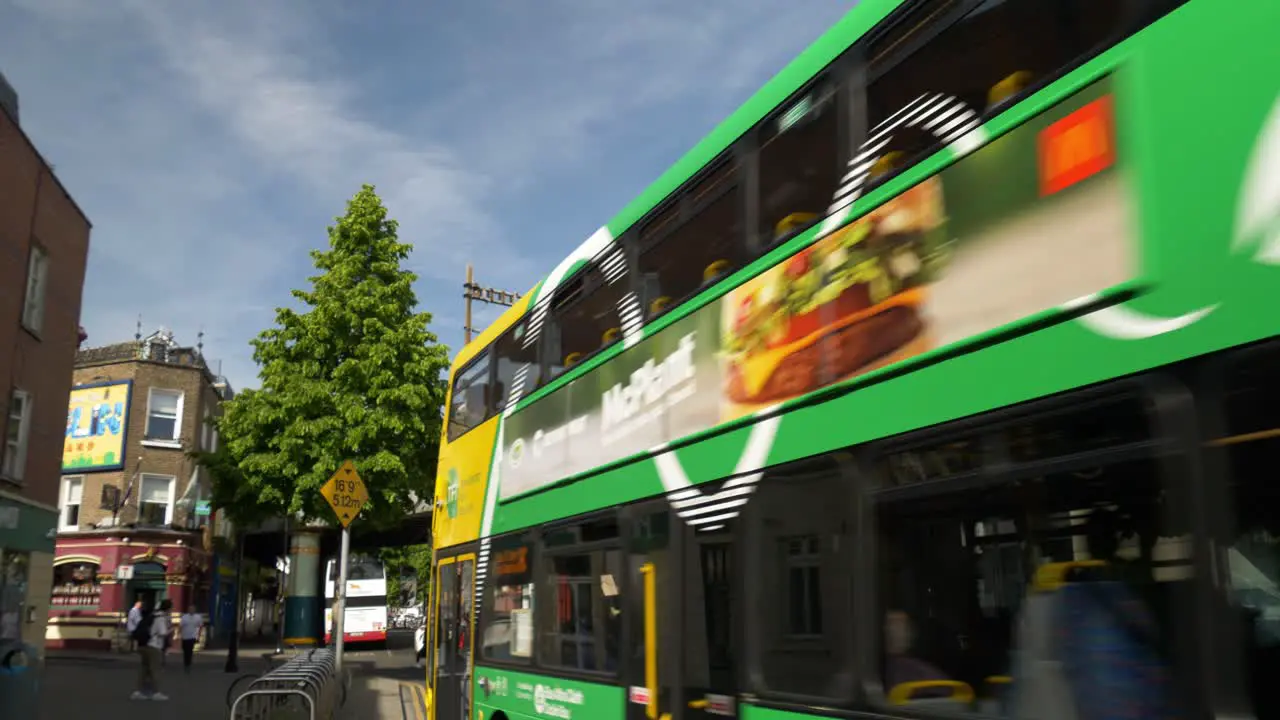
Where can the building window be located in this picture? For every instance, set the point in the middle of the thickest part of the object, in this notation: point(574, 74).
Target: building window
point(72, 492)
point(804, 597)
point(15, 438)
point(33, 305)
point(164, 415)
point(75, 586)
point(158, 350)
point(209, 435)
point(804, 522)
point(155, 504)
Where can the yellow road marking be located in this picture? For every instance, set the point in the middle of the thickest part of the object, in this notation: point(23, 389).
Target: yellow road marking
point(416, 698)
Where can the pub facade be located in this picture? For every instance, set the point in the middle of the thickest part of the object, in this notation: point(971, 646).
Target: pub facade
point(134, 522)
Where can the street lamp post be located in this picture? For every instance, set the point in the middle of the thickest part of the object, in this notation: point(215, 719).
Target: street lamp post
point(280, 589)
point(233, 648)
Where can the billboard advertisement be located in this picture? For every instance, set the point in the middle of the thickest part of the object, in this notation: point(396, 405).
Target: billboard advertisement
point(97, 421)
point(1033, 220)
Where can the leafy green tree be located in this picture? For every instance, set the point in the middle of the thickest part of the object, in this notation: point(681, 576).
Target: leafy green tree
point(356, 374)
point(415, 557)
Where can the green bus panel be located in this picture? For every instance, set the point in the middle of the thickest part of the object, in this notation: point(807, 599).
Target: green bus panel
point(753, 712)
point(522, 696)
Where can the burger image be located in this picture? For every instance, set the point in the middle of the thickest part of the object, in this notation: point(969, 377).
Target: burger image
point(851, 299)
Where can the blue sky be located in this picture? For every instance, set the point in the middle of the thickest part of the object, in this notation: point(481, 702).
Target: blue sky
point(211, 143)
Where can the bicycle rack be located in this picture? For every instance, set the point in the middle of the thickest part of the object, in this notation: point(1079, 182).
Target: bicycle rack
point(307, 685)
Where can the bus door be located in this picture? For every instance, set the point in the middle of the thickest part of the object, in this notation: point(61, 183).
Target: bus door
point(710, 598)
point(685, 579)
point(652, 622)
point(454, 618)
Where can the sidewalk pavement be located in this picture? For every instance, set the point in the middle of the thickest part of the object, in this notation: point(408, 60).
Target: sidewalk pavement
point(99, 684)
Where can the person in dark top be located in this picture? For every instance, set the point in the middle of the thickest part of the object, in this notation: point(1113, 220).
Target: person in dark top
point(902, 667)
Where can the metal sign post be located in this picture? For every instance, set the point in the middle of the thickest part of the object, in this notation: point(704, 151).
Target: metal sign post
point(346, 494)
point(340, 599)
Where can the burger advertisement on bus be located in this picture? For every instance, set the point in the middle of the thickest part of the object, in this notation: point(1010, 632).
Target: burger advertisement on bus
point(843, 306)
point(989, 241)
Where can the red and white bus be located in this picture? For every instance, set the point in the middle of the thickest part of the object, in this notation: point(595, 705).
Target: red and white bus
point(366, 616)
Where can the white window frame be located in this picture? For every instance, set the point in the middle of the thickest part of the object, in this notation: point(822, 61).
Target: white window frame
point(190, 496)
point(64, 497)
point(209, 435)
point(33, 300)
point(176, 440)
point(13, 457)
point(142, 486)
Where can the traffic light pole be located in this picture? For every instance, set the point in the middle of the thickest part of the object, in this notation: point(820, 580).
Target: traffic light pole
point(471, 291)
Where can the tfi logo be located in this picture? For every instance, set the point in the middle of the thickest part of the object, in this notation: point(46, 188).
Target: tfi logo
point(451, 494)
point(516, 452)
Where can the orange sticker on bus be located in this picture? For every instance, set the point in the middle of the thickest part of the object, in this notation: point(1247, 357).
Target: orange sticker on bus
point(1077, 146)
point(513, 562)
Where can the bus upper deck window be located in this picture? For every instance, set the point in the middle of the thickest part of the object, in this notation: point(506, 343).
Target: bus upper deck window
point(956, 63)
point(799, 163)
point(468, 405)
point(700, 226)
point(582, 311)
point(518, 371)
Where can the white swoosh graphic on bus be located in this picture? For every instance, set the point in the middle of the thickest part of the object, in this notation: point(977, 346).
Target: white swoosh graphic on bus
point(614, 267)
point(486, 519)
point(1258, 216)
point(1121, 323)
point(711, 511)
point(946, 116)
point(1257, 223)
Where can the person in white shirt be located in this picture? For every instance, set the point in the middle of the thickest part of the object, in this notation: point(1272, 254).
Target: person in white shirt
point(189, 624)
point(131, 624)
point(148, 685)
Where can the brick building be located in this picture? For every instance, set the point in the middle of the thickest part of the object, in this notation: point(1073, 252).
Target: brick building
point(134, 521)
point(44, 242)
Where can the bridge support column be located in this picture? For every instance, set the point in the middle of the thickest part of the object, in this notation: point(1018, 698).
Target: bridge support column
point(303, 624)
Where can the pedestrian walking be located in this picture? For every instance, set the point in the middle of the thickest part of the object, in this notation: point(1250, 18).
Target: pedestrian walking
point(152, 634)
point(131, 623)
point(189, 625)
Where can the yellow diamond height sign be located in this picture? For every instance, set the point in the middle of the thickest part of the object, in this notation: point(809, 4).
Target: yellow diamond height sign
point(346, 493)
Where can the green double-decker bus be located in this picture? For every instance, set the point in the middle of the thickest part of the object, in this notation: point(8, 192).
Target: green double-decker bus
point(940, 378)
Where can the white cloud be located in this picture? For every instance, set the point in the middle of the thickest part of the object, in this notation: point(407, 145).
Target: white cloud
point(211, 143)
point(307, 126)
point(552, 95)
